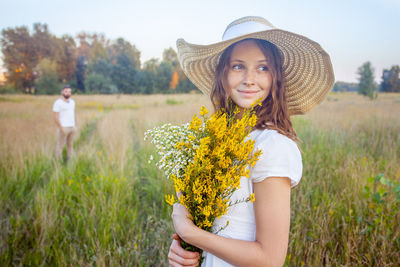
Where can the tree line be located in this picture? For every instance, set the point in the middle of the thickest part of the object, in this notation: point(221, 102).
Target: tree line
point(366, 86)
point(39, 62)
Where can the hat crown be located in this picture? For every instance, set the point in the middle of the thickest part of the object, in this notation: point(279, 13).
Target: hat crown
point(246, 25)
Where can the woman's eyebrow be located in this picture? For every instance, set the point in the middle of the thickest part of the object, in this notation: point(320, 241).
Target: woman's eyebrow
point(239, 60)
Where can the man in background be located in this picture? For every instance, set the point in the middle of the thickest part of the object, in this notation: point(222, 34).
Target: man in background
point(64, 115)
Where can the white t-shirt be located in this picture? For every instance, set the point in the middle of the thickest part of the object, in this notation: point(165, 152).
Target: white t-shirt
point(280, 158)
point(66, 112)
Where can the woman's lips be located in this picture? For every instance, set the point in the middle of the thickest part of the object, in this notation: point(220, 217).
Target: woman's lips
point(248, 92)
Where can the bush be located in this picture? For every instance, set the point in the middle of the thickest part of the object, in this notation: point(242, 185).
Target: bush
point(99, 84)
point(7, 89)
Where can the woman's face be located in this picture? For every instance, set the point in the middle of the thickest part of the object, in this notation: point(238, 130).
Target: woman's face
point(249, 77)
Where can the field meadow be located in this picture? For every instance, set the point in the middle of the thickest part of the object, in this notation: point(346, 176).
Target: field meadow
point(106, 207)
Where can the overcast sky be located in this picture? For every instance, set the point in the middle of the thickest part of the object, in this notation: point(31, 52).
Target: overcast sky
point(352, 31)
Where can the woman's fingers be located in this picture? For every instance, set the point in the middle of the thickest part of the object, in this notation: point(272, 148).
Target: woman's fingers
point(176, 237)
point(179, 210)
point(177, 256)
point(174, 264)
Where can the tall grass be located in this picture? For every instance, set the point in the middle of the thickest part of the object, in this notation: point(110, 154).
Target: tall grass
point(106, 206)
point(345, 211)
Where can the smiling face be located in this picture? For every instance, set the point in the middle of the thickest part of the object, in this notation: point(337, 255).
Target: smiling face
point(249, 77)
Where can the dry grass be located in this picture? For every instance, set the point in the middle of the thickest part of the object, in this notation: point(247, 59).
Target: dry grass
point(27, 126)
point(150, 116)
point(348, 110)
point(116, 135)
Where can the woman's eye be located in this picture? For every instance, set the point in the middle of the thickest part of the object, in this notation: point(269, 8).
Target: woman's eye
point(237, 67)
point(263, 68)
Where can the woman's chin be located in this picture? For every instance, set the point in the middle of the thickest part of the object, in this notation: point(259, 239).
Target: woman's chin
point(246, 104)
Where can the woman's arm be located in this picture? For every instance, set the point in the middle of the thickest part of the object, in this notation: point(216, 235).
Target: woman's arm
point(272, 214)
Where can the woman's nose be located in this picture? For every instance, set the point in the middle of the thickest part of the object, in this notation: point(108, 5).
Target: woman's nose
point(249, 77)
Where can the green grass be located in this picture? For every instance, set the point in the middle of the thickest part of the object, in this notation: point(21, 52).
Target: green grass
point(84, 212)
point(9, 99)
point(171, 101)
point(345, 211)
point(88, 212)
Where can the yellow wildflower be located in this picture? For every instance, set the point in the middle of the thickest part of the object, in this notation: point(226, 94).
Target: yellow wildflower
point(203, 111)
point(195, 124)
point(170, 199)
point(252, 198)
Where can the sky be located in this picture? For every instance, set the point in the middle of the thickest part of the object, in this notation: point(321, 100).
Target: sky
point(352, 32)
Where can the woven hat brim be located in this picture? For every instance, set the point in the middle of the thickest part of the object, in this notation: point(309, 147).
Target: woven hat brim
point(307, 68)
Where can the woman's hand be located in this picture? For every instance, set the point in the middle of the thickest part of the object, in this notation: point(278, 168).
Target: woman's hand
point(183, 225)
point(178, 257)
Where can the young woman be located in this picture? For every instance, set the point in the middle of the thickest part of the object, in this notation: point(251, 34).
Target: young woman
point(291, 74)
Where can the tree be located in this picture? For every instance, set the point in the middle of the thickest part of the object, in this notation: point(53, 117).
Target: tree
point(170, 56)
point(164, 74)
point(43, 42)
point(66, 58)
point(19, 58)
point(146, 81)
point(130, 52)
point(178, 81)
point(123, 74)
point(80, 73)
point(100, 66)
point(98, 48)
point(47, 73)
point(390, 80)
point(99, 84)
point(125, 59)
point(23, 52)
point(345, 87)
point(366, 84)
point(186, 86)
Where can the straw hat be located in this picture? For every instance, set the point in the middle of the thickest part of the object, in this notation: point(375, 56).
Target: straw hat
point(307, 68)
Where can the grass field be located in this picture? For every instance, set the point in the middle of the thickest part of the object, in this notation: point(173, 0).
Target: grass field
point(106, 206)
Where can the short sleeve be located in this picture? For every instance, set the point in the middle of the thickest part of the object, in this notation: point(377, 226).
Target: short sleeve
point(56, 106)
point(280, 158)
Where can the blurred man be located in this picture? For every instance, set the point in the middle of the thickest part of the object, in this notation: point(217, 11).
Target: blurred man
point(64, 115)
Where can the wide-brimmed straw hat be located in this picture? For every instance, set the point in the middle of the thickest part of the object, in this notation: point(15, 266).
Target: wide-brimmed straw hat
point(307, 68)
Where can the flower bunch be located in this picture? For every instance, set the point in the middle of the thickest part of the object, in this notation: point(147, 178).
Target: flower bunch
point(206, 160)
point(176, 146)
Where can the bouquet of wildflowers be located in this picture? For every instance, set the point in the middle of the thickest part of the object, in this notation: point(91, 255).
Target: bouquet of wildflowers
point(206, 159)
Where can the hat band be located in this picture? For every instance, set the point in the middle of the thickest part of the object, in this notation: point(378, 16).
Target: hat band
point(243, 29)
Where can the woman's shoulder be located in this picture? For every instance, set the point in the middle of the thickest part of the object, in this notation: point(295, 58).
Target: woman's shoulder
point(272, 139)
point(280, 157)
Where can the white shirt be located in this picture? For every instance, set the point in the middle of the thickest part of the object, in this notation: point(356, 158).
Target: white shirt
point(66, 112)
point(280, 158)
